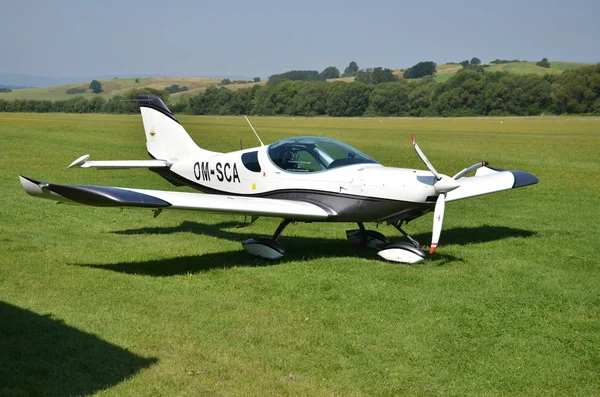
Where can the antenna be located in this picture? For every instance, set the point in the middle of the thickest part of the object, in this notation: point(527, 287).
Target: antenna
point(261, 142)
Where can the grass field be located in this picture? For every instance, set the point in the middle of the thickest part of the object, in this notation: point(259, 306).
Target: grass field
point(118, 303)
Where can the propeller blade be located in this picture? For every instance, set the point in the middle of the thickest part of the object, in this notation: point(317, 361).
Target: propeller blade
point(424, 158)
point(474, 167)
point(438, 219)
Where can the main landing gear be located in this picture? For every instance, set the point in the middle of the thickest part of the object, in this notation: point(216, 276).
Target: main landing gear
point(270, 248)
point(366, 238)
point(396, 252)
point(264, 247)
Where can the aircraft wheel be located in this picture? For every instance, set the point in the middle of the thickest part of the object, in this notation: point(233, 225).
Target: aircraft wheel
point(402, 253)
point(263, 247)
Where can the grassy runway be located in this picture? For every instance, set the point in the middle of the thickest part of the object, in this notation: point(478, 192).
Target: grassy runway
point(120, 303)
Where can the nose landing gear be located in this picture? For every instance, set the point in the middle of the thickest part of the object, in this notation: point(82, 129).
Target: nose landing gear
point(402, 252)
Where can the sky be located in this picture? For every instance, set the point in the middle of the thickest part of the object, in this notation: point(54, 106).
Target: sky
point(65, 38)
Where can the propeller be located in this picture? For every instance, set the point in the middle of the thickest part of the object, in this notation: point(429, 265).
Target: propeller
point(442, 185)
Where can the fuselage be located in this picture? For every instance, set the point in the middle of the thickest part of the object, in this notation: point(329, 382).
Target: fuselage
point(362, 192)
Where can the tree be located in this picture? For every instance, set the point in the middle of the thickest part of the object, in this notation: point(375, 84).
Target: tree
point(543, 63)
point(96, 87)
point(376, 76)
point(464, 63)
point(225, 82)
point(330, 72)
point(419, 70)
point(301, 75)
point(351, 70)
point(475, 61)
point(257, 79)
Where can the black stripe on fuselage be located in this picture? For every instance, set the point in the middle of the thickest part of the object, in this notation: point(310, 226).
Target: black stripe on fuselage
point(340, 207)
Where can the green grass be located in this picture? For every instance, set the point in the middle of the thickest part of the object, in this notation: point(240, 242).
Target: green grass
point(116, 302)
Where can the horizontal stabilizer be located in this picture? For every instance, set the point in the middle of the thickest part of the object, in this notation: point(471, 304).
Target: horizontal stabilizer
point(118, 164)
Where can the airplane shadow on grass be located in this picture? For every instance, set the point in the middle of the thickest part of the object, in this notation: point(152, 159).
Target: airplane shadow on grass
point(41, 356)
point(297, 248)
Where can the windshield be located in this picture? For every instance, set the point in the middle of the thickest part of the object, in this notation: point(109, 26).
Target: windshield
point(313, 154)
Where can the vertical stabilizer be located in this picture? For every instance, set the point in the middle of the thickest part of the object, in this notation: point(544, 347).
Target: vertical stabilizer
point(166, 139)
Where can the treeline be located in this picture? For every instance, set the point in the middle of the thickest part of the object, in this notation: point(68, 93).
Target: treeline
point(468, 93)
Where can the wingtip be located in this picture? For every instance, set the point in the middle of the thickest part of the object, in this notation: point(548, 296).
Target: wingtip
point(80, 161)
point(31, 186)
point(523, 178)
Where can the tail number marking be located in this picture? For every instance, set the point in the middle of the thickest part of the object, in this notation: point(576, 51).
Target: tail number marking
point(225, 172)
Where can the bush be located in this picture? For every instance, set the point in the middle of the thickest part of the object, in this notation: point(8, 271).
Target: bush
point(176, 88)
point(543, 63)
point(75, 90)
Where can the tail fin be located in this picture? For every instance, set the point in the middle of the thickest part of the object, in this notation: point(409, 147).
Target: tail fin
point(166, 139)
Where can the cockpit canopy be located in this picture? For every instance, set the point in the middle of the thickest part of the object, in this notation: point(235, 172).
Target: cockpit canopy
point(314, 154)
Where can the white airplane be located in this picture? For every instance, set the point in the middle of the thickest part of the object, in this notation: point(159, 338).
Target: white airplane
point(301, 179)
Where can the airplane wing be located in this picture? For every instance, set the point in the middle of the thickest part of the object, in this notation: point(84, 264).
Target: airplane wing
point(490, 180)
point(104, 196)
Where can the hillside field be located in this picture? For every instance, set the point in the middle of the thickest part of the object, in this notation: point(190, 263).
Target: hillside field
point(446, 71)
point(107, 302)
point(118, 86)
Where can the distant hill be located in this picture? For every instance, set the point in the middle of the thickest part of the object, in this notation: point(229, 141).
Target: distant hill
point(446, 71)
point(196, 85)
point(116, 86)
point(16, 80)
point(23, 80)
